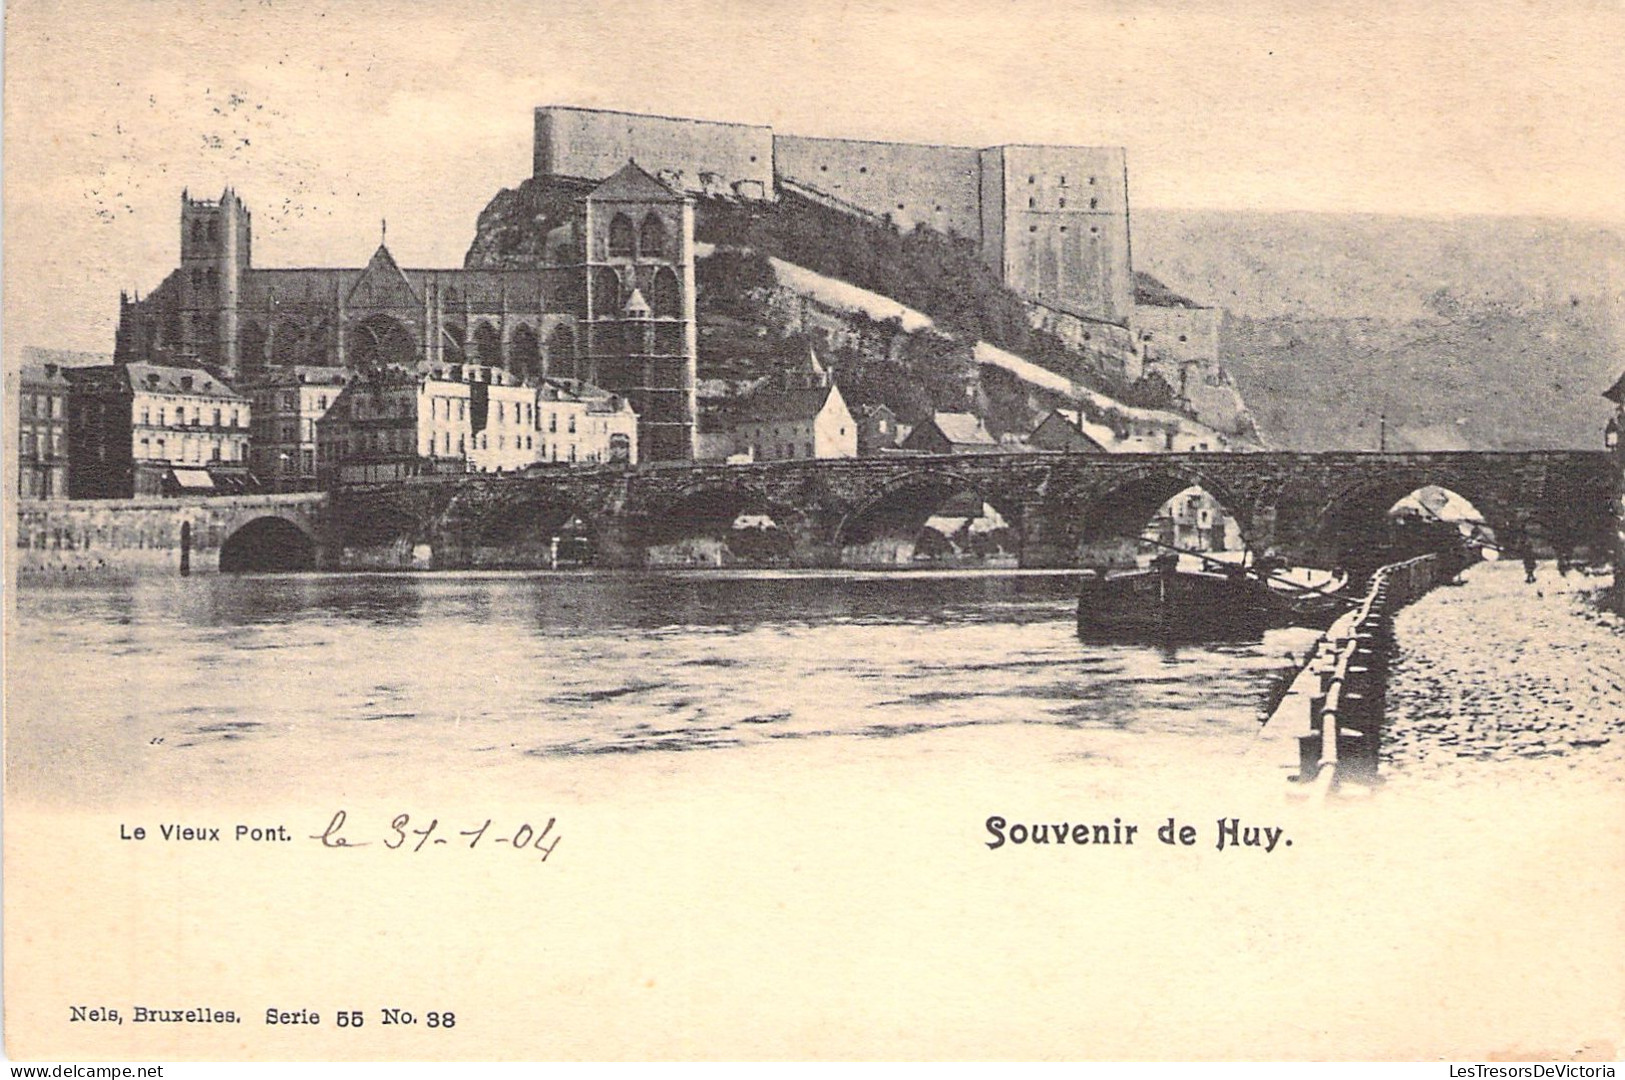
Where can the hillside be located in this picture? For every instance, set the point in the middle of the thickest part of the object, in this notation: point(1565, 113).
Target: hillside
point(1468, 333)
point(932, 285)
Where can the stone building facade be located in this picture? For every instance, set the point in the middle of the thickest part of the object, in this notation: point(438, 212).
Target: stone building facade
point(149, 429)
point(397, 425)
point(42, 431)
point(288, 403)
point(613, 305)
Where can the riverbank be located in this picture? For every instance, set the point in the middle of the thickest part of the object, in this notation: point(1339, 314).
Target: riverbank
point(1497, 677)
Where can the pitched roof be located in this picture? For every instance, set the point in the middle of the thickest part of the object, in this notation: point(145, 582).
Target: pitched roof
point(1101, 435)
point(386, 285)
point(1616, 393)
point(769, 405)
point(164, 379)
point(963, 429)
point(633, 184)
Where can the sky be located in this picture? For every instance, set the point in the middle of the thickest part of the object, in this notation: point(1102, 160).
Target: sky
point(327, 118)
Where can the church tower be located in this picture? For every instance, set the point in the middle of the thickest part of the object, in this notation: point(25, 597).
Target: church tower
point(216, 248)
point(641, 338)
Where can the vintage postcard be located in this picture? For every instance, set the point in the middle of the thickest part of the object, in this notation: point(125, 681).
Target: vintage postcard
point(814, 531)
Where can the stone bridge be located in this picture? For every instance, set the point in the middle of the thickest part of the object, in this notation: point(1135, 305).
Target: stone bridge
point(172, 535)
point(1064, 510)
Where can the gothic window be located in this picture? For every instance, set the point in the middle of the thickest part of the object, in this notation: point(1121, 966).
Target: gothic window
point(487, 344)
point(666, 301)
point(451, 342)
point(620, 236)
point(652, 238)
point(524, 352)
point(197, 232)
point(606, 291)
point(213, 235)
point(561, 352)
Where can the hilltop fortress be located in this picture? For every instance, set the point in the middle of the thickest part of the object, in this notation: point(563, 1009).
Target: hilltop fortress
point(1052, 221)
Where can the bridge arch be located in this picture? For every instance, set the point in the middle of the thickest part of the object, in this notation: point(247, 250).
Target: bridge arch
point(539, 527)
point(933, 515)
point(1113, 515)
point(724, 522)
point(1355, 527)
point(266, 543)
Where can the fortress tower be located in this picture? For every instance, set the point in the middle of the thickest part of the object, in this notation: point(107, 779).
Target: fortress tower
point(1053, 221)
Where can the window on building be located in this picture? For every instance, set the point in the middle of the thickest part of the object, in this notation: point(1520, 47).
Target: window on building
point(1032, 228)
point(572, 423)
point(197, 231)
point(146, 415)
point(161, 420)
point(1032, 203)
point(621, 243)
point(1063, 179)
point(1063, 204)
point(1094, 203)
point(652, 238)
point(808, 450)
point(56, 408)
point(28, 444)
point(197, 277)
point(213, 232)
point(553, 423)
point(1032, 179)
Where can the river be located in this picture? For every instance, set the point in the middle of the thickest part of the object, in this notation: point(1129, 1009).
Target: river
point(261, 686)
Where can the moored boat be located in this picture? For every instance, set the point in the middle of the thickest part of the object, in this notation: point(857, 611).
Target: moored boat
point(1167, 603)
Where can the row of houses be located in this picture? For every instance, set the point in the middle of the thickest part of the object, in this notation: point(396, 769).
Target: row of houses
point(802, 413)
point(124, 430)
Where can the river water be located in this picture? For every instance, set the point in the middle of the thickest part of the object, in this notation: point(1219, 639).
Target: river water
point(266, 686)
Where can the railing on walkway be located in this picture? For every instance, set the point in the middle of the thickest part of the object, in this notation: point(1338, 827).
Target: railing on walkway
point(1351, 661)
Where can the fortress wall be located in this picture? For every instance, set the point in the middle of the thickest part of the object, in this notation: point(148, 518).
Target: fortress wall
point(937, 185)
point(1066, 229)
point(594, 143)
point(1178, 333)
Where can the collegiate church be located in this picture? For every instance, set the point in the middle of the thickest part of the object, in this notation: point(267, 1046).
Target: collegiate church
point(611, 305)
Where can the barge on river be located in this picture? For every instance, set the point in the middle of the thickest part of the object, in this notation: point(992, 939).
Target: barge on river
point(1167, 603)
